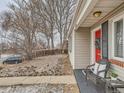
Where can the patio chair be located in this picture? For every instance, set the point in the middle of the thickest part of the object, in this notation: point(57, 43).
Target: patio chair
point(97, 72)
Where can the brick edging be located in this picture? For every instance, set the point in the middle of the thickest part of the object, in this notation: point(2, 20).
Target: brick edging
point(116, 62)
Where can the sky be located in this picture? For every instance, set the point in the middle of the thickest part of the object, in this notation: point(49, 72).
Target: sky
point(3, 5)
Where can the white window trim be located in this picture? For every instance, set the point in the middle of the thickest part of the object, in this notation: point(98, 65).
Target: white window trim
point(113, 21)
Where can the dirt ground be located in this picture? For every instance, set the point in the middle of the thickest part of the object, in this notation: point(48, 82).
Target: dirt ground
point(41, 88)
point(41, 66)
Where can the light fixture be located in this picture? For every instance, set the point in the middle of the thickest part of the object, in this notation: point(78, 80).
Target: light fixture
point(97, 13)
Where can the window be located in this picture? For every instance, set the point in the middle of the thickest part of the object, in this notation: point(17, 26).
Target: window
point(118, 39)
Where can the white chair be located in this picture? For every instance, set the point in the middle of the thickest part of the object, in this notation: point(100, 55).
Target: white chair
point(97, 71)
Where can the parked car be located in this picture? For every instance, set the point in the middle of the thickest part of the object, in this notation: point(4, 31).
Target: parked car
point(11, 59)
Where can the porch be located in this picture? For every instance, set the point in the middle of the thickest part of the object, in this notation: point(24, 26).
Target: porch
point(86, 87)
point(102, 86)
point(97, 33)
point(93, 38)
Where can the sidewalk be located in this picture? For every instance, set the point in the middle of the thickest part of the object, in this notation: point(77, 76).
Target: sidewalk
point(38, 80)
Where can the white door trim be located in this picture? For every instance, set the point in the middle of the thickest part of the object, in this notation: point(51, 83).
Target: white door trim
point(93, 44)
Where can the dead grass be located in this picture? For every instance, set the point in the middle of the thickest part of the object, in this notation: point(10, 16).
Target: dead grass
point(41, 66)
point(41, 88)
point(71, 89)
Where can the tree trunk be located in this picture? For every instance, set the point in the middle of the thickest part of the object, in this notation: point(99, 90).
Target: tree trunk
point(29, 54)
point(52, 40)
point(52, 43)
point(29, 48)
point(48, 43)
point(61, 41)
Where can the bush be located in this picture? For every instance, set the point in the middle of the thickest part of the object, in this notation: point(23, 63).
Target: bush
point(114, 75)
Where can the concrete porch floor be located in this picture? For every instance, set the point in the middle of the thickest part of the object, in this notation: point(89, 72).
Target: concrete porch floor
point(86, 87)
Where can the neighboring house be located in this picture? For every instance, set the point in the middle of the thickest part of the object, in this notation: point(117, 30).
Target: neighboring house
point(96, 32)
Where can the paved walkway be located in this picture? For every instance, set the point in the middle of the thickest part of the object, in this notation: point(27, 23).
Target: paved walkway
point(37, 80)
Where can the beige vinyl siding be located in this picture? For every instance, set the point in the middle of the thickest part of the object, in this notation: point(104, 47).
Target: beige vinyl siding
point(82, 48)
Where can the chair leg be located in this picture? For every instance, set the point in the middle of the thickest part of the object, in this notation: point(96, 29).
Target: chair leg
point(86, 77)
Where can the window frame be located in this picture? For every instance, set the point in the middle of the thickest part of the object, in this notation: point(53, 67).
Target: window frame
point(113, 35)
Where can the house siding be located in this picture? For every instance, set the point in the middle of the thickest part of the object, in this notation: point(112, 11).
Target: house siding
point(82, 48)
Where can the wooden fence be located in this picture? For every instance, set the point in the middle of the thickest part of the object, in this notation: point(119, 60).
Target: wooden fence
point(38, 53)
point(46, 52)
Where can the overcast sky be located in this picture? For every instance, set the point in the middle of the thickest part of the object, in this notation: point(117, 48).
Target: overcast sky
point(3, 7)
point(3, 4)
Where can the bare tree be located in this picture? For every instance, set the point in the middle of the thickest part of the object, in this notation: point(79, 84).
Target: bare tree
point(45, 10)
point(21, 21)
point(46, 31)
point(56, 15)
point(28, 18)
point(64, 13)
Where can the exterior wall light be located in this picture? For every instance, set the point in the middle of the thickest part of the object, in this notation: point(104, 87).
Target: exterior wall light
point(97, 14)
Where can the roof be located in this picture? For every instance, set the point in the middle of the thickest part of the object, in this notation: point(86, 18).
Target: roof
point(84, 12)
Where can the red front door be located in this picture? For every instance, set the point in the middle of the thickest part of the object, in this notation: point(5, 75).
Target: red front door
point(98, 45)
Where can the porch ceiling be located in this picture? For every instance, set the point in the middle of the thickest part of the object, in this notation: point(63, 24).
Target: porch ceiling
point(105, 6)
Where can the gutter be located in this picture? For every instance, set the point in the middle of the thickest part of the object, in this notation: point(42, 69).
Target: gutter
point(77, 10)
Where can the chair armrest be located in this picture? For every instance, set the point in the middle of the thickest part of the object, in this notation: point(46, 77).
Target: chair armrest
point(117, 84)
point(117, 81)
point(90, 66)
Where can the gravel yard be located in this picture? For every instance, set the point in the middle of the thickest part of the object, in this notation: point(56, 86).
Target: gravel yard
point(55, 65)
point(41, 88)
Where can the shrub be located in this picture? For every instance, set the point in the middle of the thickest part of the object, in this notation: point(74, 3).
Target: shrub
point(114, 75)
